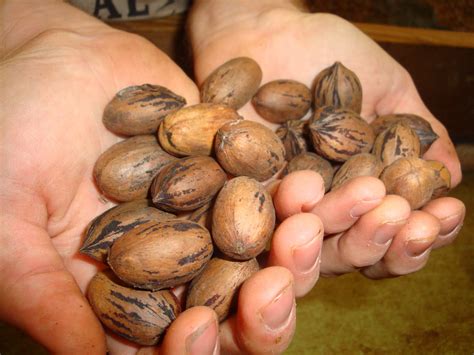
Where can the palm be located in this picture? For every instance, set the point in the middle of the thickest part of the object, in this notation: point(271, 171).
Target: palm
point(66, 78)
point(289, 44)
point(74, 128)
point(285, 46)
point(295, 45)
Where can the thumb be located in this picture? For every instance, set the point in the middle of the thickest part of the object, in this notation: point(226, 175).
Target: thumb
point(40, 296)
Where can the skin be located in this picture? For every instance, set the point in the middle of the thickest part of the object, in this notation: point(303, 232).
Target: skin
point(59, 68)
point(288, 42)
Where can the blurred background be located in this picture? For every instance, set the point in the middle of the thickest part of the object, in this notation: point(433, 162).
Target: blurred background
point(431, 311)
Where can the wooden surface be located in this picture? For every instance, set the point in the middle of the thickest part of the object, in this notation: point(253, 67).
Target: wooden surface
point(453, 15)
point(411, 35)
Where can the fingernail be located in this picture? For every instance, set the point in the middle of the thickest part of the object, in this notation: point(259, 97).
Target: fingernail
point(363, 207)
point(451, 222)
point(415, 247)
point(277, 313)
point(452, 233)
point(387, 231)
point(203, 340)
point(309, 205)
point(306, 255)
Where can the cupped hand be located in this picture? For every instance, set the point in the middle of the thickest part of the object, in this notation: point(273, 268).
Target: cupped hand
point(366, 229)
point(59, 69)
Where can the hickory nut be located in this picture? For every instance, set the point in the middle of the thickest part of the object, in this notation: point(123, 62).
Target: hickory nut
point(187, 184)
point(339, 134)
point(411, 178)
point(137, 315)
point(191, 130)
point(442, 178)
point(363, 164)
point(124, 172)
point(203, 215)
point(217, 285)
point(339, 87)
point(157, 255)
point(243, 218)
point(397, 141)
point(139, 109)
point(422, 128)
point(295, 138)
point(282, 100)
point(312, 161)
point(233, 83)
point(113, 223)
point(249, 148)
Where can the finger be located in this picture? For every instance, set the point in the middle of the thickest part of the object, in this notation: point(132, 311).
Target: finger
point(296, 245)
point(410, 248)
point(266, 315)
point(366, 242)
point(341, 208)
point(195, 331)
point(450, 212)
point(117, 345)
point(40, 296)
point(298, 192)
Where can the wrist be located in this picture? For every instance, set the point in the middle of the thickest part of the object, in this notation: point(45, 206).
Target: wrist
point(210, 18)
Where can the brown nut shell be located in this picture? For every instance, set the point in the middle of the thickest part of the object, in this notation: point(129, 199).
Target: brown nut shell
point(410, 178)
point(442, 178)
point(422, 127)
point(103, 230)
point(295, 137)
point(203, 215)
point(233, 83)
point(339, 87)
point(187, 184)
point(397, 141)
point(364, 164)
point(191, 130)
point(279, 101)
point(218, 284)
point(139, 109)
point(312, 161)
point(139, 316)
point(338, 134)
point(249, 148)
point(124, 171)
point(163, 254)
point(243, 218)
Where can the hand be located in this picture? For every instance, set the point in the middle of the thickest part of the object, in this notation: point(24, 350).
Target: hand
point(367, 230)
point(59, 69)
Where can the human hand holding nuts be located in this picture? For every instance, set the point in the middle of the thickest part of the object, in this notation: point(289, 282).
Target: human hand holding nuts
point(51, 195)
point(218, 255)
point(362, 205)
